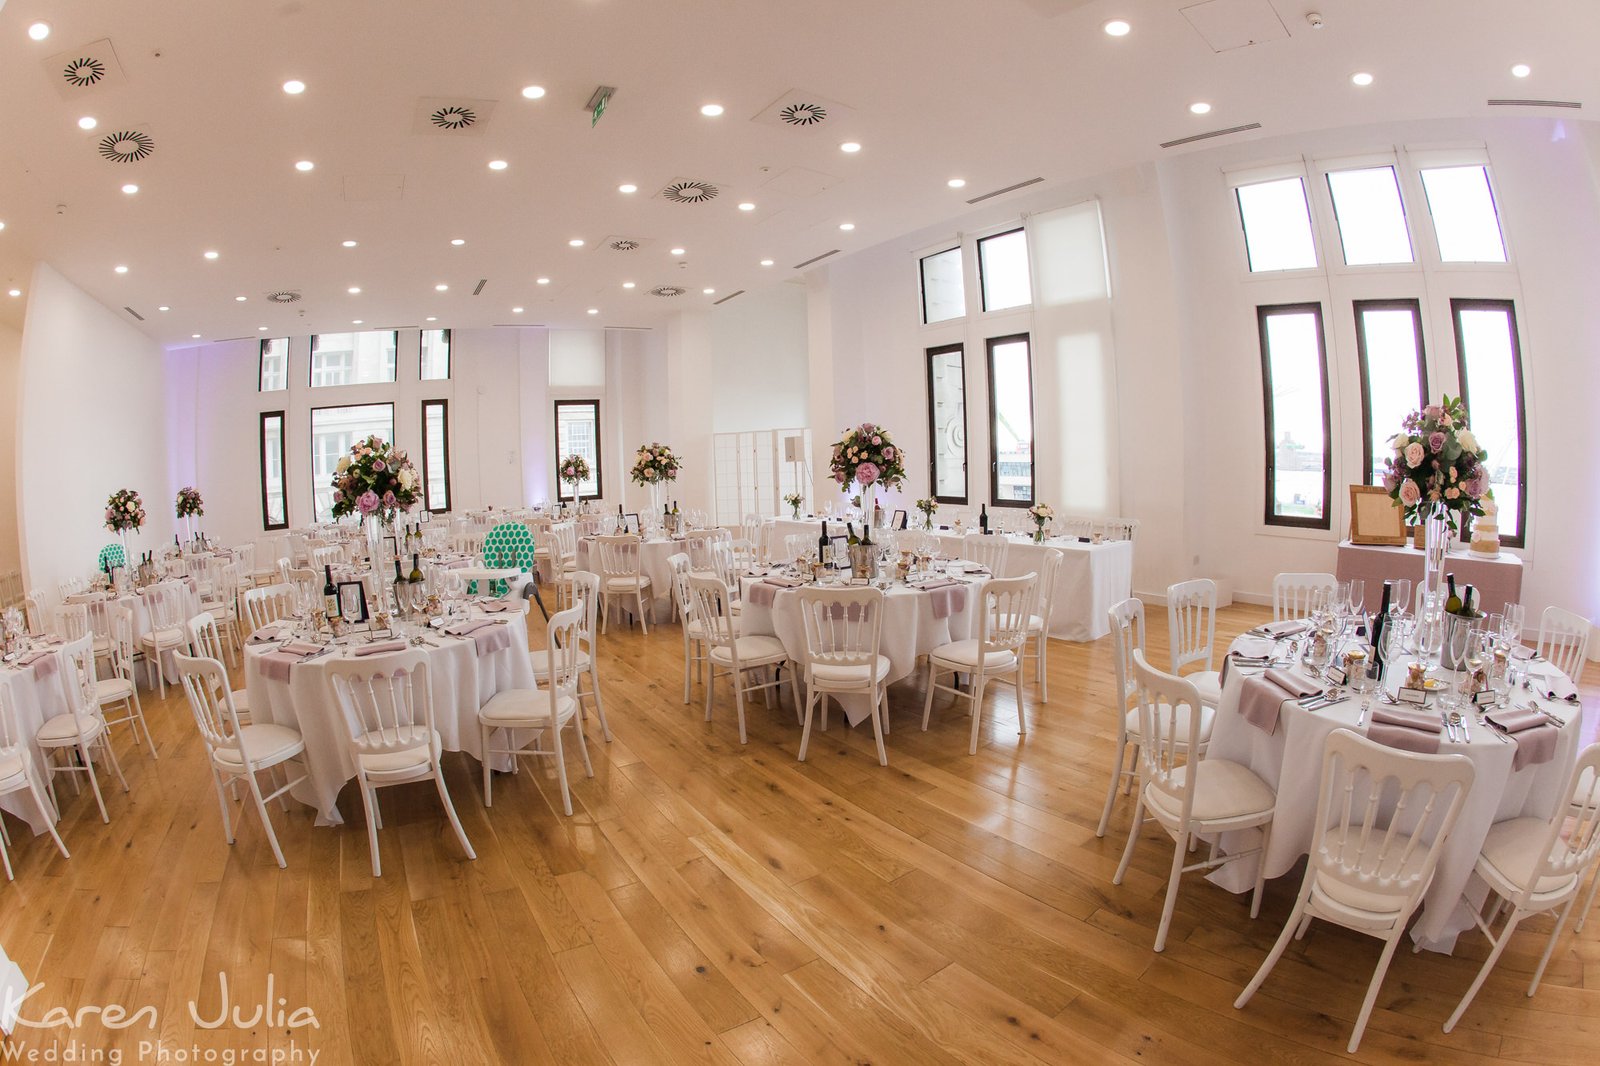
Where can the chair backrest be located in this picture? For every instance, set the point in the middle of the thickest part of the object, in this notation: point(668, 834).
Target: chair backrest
point(385, 701)
point(566, 535)
point(298, 549)
point(78, 676)
point(268, 604)
point(33, 613)
point(1191, 621)
point(679, 564)
point(619, 555)
point(327, 555)
point(989, 551)
point(754, 530)
point(1047, 583)
point(844, 626)
point(98, 609)
point(1564, 640)
point(1008, 603)
point(121, 631)
point(700, 544)
point(1127, 637)
point(164, 602)
point(1383, 816)
point(586, 598)
point(307, 583)
point(1295, 595)
point(710, 600)
point(1573, 838)
point(205, 641)
point(563, 636)
point(796, 545)
point(205, 683)
point(743, 553)
point(244, 557)
point(11, 741)
point(1163, 700)
point(72, 620)
point(724, 566)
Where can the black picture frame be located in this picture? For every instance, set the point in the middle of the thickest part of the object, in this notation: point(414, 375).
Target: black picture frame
point(356, 597)
point(630, 523)
point(899, 519)
point(839, 553)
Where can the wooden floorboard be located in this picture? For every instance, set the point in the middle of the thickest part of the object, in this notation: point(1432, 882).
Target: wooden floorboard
point(718, 903)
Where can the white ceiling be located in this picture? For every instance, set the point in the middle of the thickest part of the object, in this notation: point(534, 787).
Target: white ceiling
point(993, 91)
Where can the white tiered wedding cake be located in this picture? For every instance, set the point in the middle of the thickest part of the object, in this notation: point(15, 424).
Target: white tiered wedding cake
point(1486, 530)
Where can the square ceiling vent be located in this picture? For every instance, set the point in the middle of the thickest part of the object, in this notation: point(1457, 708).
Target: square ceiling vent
point(455, 116)
point(799, 109)
point(1228, 24)
point(85, 71)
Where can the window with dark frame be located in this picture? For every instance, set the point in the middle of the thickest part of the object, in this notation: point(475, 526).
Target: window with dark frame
point(274, 492)
point(947, 423)
point(944, 294)
point(433, 355)
point(1489, 365)
point(353, 358)
point(578, 433)
point(1011, 454)
point(1394, 375)
point(435, 456)
point(274, 365)
point(1294, 378)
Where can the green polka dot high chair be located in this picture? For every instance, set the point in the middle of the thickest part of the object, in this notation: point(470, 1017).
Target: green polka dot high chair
point(112, 555)
point(508, 544)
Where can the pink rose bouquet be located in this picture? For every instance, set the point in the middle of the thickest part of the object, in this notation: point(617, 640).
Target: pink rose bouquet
point(1437, 464)
point(124, 512)
point(655, 463)
point(867, 455)
point(375, 478)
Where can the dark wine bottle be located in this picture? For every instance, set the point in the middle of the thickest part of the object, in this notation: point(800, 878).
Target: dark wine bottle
point(822, 545)
point(330, 595)
point(416, 569)
point(1378, 625)
point(1468, 607)
point(983, 518)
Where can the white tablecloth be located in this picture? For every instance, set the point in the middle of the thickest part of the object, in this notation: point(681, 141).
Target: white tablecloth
point(141, 622)
point(909, 630)
point(653, 564)
point(34, 701)
point(1290, 761)
point(461, 681)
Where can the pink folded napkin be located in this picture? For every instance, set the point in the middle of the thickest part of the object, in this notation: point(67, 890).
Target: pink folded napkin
point(43, 661)
point(275, 665)
point(1535, 735)
point(782, 581)
point(760, 594)
point(300, 647)
point(1408, 730)
point(382, 648)
point(1263, 697)
point(1286, 628)
point(498, 606)
point(1248, 646)
point(266, 633)
point(487, 635)
point(939, 583)
point(946, 599)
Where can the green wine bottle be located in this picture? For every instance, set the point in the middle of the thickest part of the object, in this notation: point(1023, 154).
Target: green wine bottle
point(1452, 603)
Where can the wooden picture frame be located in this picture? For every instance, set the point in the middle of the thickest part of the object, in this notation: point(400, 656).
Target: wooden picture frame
point(1375, 518)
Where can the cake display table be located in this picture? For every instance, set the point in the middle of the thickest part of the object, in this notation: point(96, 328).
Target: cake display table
point(1498, 578)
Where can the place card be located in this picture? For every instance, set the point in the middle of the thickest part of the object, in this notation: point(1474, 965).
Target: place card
point(1486, 698)
point(1419, 696)
point(1335, 674)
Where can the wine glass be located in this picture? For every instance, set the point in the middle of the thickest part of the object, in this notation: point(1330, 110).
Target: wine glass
point(1355, 596)
point(1512, 618)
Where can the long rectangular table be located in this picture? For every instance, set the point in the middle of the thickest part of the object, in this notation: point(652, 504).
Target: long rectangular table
point(1498, 579)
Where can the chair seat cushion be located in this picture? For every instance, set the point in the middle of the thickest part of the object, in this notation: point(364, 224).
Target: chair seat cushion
point(964, 653)
point(1512, 849)
point(112, 689)
point(414, 760)
point(165, 638)
point(753, 650)
point(829, 675)
point(1356, 897)
point(266, 745)
point(1209, 684)
point(1223, 790)
point(1181, 723)
point(12, 770)
point(1035, 625)
point(540, 661)
point(525, 706)
point(627, 584)
point(61, 729)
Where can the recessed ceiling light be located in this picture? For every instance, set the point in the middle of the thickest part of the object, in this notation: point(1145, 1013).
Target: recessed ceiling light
point(441, 287)
point(120, 269)
point(576, 242)
point(709, 292)
point(850, 147)
point(458, 242)
point(766, 262)
point(163, 307)
point(1521, 70)
point(847, 226)
point(211, 255)
point(241, 299)
point(711, 110)
point(532, 92)
point(1361, 78)
point(677, 251)
point(305, 165)
point(957, 183)
point(1117, 28)
point(355, 321)
point(354, 290)
point(594, 310)
point(498, 164)
point(261, 329)
point(627, 187)
point(516, 310)
point(1199, 107)
point(349, 244)
point(130, 188)
point(627, 284)
point(194, 336)
point(433, 318)
point(14, 292)
point(294, 87)
point(38, 32)
point(747, 206)
point(88, 122)
point(541, 281)
point(2, 225)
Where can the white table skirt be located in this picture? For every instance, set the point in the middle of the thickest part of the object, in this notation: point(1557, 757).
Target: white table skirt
point(33, 702)
point(909, 631)
point(1290, 761)
point(461, 682)
point(653, 556)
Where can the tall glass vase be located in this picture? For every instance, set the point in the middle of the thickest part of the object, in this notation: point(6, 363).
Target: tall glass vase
point(656, 506)
point(374, 526)
point(1436, 541)
point(869, 494)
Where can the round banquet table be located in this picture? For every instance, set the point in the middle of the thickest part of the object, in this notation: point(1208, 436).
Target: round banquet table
point(911, 627)
point(1290, 760)
point(653, 564)
point(36, 697)
point(460, 679)
point(141, 619)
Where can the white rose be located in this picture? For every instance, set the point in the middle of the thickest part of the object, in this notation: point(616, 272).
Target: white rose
point(1467, 441)
point(408, 478)
point(342, 465)
point(1400, 442)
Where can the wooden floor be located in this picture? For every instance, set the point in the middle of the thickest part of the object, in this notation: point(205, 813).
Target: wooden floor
point(718, 903)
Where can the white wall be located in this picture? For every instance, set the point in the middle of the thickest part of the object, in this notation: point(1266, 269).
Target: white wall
point(10, 374)
point(91, 422)
point(758, 361)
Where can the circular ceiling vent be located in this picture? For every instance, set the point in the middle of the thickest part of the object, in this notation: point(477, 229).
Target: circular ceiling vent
point(690, 192)
point(84, 71)
point(624, 244)
point(667, 290)
point(453, 118)
point(283, 296)
point(128, 146)
point(803, 114)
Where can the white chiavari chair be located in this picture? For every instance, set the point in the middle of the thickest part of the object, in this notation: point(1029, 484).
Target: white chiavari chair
point(81, 729)
point(268, 604)
point(730, 654)
point(583, 593)
point(1039, 623)
point(987, 551)
point(621, 575)
point(121, 687)
point(1294, 595)
point(996, 652)
point(205, 642)
point(17, 774)
point(164, 603)
point(1564, 640)
point(1191, 633)
point(844, 630)
point(694, 634)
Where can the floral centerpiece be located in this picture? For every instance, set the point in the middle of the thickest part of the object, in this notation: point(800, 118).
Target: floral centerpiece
point(124, 512)
point(927, 506)
point(654, 464)
point(573, 471)
point(375, 480)
point(1437, 467)
point(1042, 514)
point(868, 456)
point(190, 505)
point(794, 500)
